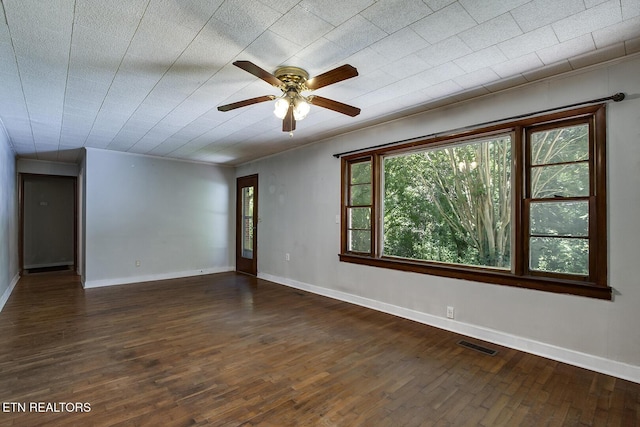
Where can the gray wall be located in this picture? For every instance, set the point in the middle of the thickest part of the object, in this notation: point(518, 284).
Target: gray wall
point(300, 199)
point(8, 219)
point(176, 218)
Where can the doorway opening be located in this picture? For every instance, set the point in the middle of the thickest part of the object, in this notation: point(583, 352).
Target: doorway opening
point(48, 223)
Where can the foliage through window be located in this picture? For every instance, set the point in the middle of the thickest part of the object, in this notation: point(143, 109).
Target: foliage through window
point(450, 204)
point(558, 200)
point(359, 210)
point(520, 204)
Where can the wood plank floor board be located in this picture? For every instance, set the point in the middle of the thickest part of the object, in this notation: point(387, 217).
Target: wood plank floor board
point(231, 350)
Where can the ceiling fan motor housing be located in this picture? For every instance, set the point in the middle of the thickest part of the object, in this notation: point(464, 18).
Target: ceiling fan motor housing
point(292, 77)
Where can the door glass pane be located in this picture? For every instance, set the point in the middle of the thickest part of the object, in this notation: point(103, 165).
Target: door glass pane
point(247, 222)
point(561, 219)
point(559, 255)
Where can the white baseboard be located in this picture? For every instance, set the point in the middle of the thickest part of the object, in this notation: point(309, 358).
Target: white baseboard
point(153, 277)
point(5, 296)
point(571, 357)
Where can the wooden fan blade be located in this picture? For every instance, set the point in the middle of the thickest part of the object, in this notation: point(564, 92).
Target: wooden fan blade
point(259, 72)
point(289, 122)
point(334, 105)
point(330, 77)
point(246, 102)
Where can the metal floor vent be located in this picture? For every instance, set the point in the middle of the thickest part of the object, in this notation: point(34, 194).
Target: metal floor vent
point(478, 347)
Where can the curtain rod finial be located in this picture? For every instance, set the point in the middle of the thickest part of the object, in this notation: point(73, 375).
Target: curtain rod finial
point(618, 97)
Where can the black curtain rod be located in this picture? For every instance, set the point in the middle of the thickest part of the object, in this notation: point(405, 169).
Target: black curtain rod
point(616, 98)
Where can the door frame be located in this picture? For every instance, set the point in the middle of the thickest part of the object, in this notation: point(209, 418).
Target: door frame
point(245, 265)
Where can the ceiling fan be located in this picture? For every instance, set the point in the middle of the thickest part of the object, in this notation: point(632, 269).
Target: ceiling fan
point(292, 81)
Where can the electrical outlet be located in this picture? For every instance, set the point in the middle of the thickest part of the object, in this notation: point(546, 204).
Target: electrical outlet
point(137, 263)
point(287, 257)
point(450, 312)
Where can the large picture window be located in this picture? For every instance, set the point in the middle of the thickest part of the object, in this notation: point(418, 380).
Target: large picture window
point(450, 204)
point(521, 204)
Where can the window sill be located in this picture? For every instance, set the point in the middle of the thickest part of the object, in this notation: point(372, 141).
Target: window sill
point(480, 275)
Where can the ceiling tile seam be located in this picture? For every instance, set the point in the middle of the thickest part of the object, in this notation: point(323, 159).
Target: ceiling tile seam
point(24, 98)
point(203, 150)
point(372, 23)
point(6, 133)
point(187, 97)
point(66, 83)
point(457, 35)
point(4, 13)
point(394, 82)
point(594, 42)
point(367, 47)
point(217, 147)
point(574, 66)
point(333, 27)
point(406, 25)
point(115, 73)
point(539, 59)
point(471, 50)
point(468, 13)
point(195, 119)
point(506, 53)
point(196, 89)
point(277, 11)
point(554, 30)
point(187, 142)
point(254, 40)
point(172, 110)
point(516, 21)
point(311, 13)
point(369, 21)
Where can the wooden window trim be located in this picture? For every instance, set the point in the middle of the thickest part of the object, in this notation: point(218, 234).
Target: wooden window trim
point(346, 201)
point(519, 275)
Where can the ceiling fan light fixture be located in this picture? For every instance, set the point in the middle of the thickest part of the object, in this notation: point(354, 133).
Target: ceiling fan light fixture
point(281, 106)
point(292, 106)
point(300, 108)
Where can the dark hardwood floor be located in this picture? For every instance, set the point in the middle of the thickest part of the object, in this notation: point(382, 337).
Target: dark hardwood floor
point(231, 350)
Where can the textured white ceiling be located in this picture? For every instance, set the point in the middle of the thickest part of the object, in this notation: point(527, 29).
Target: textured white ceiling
point(146, 76)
